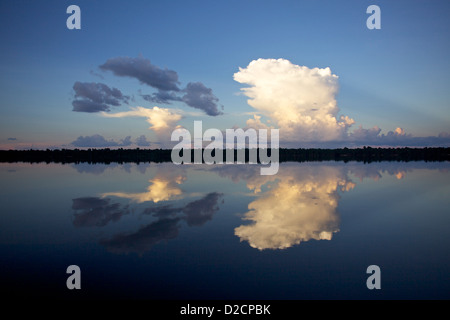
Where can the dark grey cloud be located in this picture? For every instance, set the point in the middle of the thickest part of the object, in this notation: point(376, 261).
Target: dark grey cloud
point(165, 97)
point(88, 106)
point(196, 213)
point(98, 141)
point(143, 70)
point(125, 142)
point(195, 95)
point(200, 97)
point(96, 169)
point(12, 139)
point(96, 97)
point(94, 211)
point(165, 211)
point(200, 211)
point(143, 239)
point(142, 141)
point(96, 74)
point(234, 172)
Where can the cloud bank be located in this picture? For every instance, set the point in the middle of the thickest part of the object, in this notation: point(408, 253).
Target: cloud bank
point(98, 141)
point(142, 141)
point(96, 97)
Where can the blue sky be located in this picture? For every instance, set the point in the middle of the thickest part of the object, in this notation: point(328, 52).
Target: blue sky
point(392, 78)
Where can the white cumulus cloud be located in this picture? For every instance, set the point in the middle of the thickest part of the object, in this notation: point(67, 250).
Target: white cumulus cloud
point(163, 121)
point(300, 101)
point(160, 119)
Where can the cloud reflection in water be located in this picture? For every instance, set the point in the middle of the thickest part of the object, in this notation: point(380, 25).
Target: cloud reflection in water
point(298, 204)
point(301, 206)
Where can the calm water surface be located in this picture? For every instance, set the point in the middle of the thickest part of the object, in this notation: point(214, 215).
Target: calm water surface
point(162, 231)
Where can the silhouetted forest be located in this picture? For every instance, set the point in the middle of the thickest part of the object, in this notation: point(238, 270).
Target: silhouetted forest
point(366, 154)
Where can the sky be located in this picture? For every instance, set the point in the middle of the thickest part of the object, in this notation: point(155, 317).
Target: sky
point(137, 70)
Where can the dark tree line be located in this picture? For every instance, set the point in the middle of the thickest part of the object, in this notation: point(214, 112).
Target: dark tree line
point(366, 154)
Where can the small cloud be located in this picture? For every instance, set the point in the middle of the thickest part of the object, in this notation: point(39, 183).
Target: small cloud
point(126, 142)
point(368, 135)
point(145, 238)
point(197, 212)
point(96, 74)
point(400, 131)
point(163, 121)
point(96, 97)
point(97, 169)
point(159, 118)
point(98, 141)
point(200, 97)
point(165, 211)
point(200, 211)
point(160, 189)
point(142, 141)
point(165, 97)
point(94, 211)
point(144, 71)
point(12, 139)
